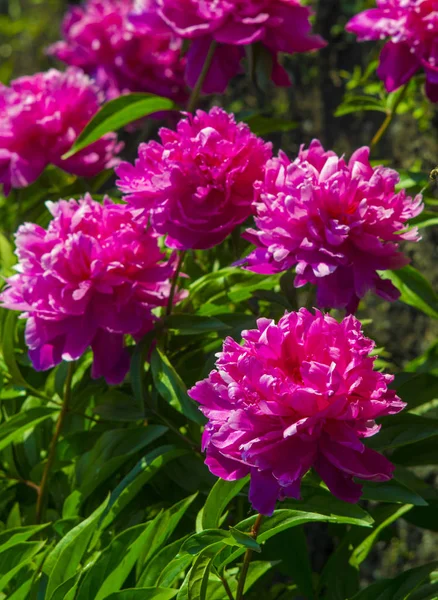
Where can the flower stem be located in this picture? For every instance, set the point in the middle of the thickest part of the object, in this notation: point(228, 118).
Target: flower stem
point(194, 97)
point(247, 559)
point(176, 275)
point(389, 117)
point(42, 491)
point(226, 587)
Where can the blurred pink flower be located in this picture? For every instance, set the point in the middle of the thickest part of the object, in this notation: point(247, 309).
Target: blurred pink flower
point(40, 118)
point(88, 280)
point(99, 38)
point(279, 25)
point(197, 185)
point(296, 395)
point(412, 26)
point(337, 222)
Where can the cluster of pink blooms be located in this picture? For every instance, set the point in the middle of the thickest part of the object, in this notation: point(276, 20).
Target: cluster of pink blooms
point(197, 185)
point(40, 118)
point(279, 25)
point(412, 26)
point(91, 278)
point(337, 222)
point(297, 394)
point(100, 39)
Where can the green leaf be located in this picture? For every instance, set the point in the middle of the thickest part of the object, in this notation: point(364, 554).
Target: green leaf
point(352, 104)
point(14, 428)
point(261, 125)
point(162, 528)
point(8, 351)
point(141, 549)
point(144, 594)
point(174, 569)
point(64, 559)
point(243, 539)
point(400, 588)
point(415, 290)
point(199, 573)
point(171, 387)
point(283, 519)
point(403, 429)
point(67, 586)
point(137, 370)
point(361, 552)
point(330, 585)
point(218, 499)
point(194, 324)
point(418, 454)
point(426, 592)
point(15, 558)
point(425, 517)
point(295, 565)
point(14, 536)
point(7, 256)
point(117, 113)
point(116, 406)
point(110, 452)
point(114, 564)
point(426, 219)
point(416, 389)
point(391, 491)
point(256, 570)
point(161, 562)
point(137, 478)
point(22, 593)
point(200, 542)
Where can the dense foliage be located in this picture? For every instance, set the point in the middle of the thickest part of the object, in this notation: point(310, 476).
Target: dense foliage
point(192, 406)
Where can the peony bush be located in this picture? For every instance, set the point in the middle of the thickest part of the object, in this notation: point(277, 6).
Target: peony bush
point(190, 284)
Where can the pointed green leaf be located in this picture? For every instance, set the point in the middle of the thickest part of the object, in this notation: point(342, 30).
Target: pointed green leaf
point(14, 427)
point(392, 514)
point(283, 519)
point(403, 429)
point(171, 387)
point(137, 478)
point(64, 559)
point(194, 324)
point(218, 499)
point(144, 594)
point(15, 558)
point(400, 588)
point(114, 563)
point(415, 289)
point(161, 562)
point(116, 114)
point(391, 491)
point(13, 536)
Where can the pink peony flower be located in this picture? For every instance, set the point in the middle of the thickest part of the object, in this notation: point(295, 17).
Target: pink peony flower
point(197, 185)
point(280, 25)
point(100, 39)
point(412, 26)
point(338, 223)
point(40, 118)
point(88, 280)
point(297, 394)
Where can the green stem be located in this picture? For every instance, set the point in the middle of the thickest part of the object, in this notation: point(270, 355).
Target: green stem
point(226, 587)
point(247, 559)
point(193, 100)
point(175, 282)
point(42, 491)
point(389, 117)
